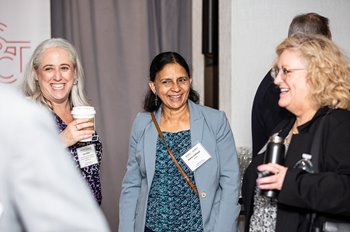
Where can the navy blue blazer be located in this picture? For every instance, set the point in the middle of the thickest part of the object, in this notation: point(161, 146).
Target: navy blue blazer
point(217, 180)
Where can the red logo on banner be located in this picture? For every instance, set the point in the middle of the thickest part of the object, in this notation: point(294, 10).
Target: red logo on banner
point(11, 57)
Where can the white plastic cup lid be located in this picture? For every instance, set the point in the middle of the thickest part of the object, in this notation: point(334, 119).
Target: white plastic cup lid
point(83, 110)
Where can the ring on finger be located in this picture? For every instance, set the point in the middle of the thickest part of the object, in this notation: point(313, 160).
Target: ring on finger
point(76, 126)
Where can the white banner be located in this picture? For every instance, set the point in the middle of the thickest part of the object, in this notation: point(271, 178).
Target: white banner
point(23, 25)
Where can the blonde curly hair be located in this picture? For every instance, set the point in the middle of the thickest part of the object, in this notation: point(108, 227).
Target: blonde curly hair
point(328, 70)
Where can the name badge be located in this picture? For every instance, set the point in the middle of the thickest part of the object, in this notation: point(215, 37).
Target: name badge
point(87, 155)
point(195, 157)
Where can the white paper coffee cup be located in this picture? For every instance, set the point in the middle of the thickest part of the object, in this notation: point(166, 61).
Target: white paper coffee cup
point(84, 112)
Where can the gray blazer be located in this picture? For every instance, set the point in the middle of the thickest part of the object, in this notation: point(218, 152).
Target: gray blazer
point(217, 180)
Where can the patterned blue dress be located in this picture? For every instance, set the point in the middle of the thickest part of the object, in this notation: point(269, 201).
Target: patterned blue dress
point(90, 173)
point(172, 204)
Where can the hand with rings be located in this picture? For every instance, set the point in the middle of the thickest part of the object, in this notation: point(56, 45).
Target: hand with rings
point(274, 181)
point(77, 130)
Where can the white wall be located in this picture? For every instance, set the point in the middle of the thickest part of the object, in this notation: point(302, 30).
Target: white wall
point(23, 25)
point(197, 56)
point(257, 27)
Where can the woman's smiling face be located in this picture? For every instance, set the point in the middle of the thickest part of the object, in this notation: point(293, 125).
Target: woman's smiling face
point(56, 75)
point(291, 78)
point(172, 85)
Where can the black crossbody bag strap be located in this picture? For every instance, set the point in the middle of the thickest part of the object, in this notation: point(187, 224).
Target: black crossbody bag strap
point(316, 145)
point(315, 152)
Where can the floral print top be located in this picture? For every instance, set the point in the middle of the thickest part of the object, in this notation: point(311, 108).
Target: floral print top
point(90, 173)
point(265, 214)
point(172, 204)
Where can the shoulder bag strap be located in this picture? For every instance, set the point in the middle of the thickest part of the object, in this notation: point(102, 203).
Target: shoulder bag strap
point(187, 179)
point(316, 142)
point(315, 152)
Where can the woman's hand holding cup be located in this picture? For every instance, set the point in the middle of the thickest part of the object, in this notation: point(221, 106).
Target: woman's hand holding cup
point(78, 130)
point(82, 127)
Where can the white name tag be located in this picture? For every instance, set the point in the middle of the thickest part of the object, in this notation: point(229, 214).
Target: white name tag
point(195, 157)
point(87, 156)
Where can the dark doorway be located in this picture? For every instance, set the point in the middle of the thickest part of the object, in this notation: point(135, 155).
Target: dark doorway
point(210, 50)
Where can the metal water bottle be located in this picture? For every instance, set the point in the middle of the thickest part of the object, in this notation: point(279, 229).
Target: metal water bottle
point(274, 153)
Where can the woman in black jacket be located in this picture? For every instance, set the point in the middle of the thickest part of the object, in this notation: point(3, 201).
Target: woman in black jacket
point(314, 81)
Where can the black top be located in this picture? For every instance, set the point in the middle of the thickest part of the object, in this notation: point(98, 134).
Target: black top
point(266, 113)
point(327, 192)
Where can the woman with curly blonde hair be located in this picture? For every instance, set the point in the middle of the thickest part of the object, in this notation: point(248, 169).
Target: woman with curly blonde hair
point(328, 69)
point(313, 77)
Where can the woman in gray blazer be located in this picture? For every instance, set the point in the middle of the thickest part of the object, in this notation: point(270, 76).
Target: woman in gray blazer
point(202, 193)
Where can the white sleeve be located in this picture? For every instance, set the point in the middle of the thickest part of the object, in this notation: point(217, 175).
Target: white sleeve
point(44, 190)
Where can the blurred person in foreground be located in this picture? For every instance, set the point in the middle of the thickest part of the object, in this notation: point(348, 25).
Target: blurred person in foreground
point(313, 77)
point(40, 189)
point(266, 113)
point(155, 195)
point(54, 77)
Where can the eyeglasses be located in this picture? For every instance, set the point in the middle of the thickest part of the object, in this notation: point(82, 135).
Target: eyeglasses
point(275, 71)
